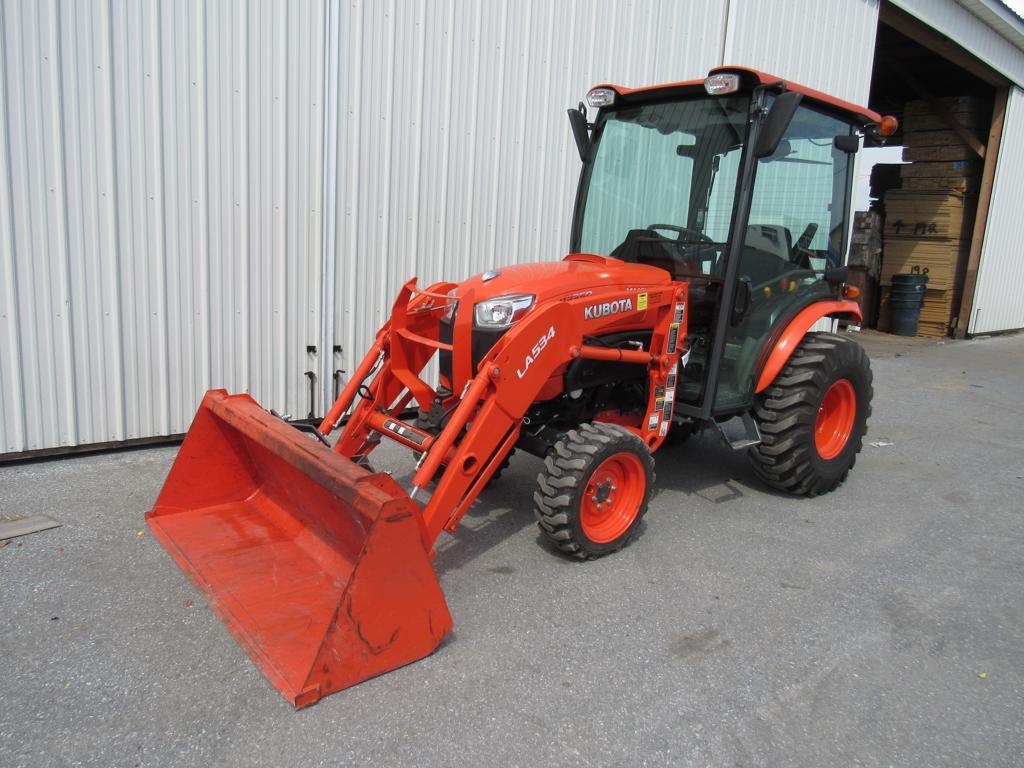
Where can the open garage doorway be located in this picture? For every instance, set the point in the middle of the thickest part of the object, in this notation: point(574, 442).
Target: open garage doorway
point(923, 198)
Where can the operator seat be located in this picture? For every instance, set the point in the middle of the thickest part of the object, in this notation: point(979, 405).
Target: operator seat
point(766, 252)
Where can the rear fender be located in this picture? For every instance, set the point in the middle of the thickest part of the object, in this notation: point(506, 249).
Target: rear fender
point(795, 332)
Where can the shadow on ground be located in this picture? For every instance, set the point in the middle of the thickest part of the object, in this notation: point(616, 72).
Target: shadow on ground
point(702, 466)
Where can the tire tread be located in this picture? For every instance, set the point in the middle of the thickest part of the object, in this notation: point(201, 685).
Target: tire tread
point(787, 409)
point(565, 469)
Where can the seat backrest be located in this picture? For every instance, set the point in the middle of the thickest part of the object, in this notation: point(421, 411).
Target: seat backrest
point(770, 238)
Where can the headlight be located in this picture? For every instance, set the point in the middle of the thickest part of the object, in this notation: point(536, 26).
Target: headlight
point(502, 311)
point(600, 97)
point(721, 83)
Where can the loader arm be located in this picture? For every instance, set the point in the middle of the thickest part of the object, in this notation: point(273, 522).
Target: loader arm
point(487, 418)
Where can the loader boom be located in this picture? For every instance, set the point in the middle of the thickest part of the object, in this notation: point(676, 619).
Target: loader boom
point(488, 417)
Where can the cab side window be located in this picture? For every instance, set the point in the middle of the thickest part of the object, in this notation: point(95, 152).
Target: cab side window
point(796, 230)
point(797, 213)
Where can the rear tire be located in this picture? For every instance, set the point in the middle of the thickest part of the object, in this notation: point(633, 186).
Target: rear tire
point(594, 490)
point(813, 417)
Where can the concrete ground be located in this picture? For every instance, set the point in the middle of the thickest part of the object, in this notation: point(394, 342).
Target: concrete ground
point(879, 625)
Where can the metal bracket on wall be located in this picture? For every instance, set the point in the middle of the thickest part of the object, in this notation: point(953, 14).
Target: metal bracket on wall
point(311, 375)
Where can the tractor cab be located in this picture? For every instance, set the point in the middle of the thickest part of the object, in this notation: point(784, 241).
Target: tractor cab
point(738, 185)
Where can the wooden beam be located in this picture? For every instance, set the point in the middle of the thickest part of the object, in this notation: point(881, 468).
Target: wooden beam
point(940, 44)
point(988, 174)
point(938, 109)
point(22, 526)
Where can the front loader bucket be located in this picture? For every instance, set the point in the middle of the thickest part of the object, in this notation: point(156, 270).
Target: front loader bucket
point(317, 566)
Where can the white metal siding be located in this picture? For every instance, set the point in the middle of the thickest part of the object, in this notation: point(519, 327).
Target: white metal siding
point(159, 212)
point(454, 150)
point(825, 45)
point(971, 33)
point(455, 153)
point(998, 304)
point(191, 193)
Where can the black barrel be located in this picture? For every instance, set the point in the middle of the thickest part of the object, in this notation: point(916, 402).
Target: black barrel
point(907, 298)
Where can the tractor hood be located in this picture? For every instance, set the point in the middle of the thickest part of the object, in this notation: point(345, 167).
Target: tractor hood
point(575, 274)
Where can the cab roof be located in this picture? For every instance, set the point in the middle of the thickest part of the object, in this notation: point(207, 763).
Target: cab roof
point(749, 79)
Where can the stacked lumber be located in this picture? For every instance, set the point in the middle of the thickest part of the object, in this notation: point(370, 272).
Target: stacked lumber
point(939, 146)
point(931, 214)
point(970, 111)
point(865, 261)
point(940, 159)
point(927, 232)
point(929, 218)
point(866, 242)
point(963, 176)
point(938, 307)
point(938, 259)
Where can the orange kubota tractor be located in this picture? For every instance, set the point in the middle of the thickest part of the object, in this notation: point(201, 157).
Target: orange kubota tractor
point(710, 224)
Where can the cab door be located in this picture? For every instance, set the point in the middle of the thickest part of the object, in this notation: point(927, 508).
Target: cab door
point(796, 230)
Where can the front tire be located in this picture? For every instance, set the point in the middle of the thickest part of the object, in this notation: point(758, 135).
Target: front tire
point(813, 417)
point(594, 490)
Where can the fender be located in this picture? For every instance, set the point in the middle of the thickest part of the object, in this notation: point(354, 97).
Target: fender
point(795, 332)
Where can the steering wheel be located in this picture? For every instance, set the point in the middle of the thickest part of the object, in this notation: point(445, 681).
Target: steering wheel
point(692, 247)
point(685, 233)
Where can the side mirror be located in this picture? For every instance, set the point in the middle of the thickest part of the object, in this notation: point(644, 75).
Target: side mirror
point(848, 144)
point(741, 301)
point(776, 123)
point(580, 132)
point(837, 275)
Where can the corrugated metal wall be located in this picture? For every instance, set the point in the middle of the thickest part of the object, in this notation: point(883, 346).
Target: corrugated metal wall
point(997, 301)
point(826, 45)
point(465, 161)
point(160, 213)
point(192, 193)
point(454, 148)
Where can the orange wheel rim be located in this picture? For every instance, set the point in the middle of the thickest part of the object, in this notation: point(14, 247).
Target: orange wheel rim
point(836, 415)
point(612, 498)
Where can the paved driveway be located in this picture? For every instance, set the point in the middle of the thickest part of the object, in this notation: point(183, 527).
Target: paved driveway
point(880, 625)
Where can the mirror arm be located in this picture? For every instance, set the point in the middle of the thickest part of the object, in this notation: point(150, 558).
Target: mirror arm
point(580, 130)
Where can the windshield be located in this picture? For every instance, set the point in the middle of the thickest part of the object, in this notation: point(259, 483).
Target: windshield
point(656, 188)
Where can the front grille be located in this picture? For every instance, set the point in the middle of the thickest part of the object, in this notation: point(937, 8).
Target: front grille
point(482, 342)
